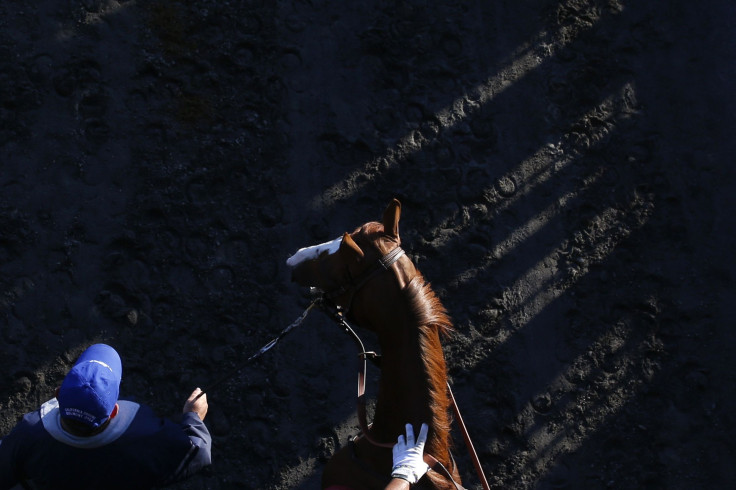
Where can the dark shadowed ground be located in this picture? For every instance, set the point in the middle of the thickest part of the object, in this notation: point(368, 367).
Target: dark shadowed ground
point(566, 174)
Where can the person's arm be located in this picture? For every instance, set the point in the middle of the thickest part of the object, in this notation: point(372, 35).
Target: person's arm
point(12, 448)
point(398, 484)
point(409, 465)
point(7, 466)
point(200, 454)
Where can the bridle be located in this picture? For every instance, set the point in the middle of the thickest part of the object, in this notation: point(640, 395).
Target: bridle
point(328, 305)
point(354, 285)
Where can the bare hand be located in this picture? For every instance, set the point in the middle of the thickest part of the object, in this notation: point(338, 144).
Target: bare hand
point(197, 405)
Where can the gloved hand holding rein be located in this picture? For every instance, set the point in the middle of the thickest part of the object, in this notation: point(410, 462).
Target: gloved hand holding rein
point(408, 454)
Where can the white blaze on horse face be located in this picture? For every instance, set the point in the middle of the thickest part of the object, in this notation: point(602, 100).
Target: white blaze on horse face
point(311, 253)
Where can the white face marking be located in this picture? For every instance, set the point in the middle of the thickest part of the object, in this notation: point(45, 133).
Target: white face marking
point(309, 253)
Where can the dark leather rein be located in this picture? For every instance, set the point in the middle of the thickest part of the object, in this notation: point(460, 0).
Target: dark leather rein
point(327, 304)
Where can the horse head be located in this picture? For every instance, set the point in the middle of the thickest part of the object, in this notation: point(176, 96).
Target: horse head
point(341, 267)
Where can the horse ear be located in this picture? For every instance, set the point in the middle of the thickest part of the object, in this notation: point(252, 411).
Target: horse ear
point(350, 247)
point(391, 219)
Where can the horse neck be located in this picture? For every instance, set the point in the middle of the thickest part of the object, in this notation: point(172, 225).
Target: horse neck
point(412, 387)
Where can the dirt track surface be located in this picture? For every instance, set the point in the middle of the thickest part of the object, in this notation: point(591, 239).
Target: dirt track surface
point(566, 175)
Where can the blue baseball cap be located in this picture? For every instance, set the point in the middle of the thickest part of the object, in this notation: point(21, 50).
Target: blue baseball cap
point(90, 390)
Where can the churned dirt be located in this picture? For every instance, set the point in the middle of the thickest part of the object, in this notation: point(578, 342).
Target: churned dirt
point(566, 174)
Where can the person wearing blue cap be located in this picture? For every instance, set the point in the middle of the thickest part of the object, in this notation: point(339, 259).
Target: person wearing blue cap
point(86, 438)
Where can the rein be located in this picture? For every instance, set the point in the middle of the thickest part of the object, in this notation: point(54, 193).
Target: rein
point(327, 304)
point(338, 317)
point(236, 372)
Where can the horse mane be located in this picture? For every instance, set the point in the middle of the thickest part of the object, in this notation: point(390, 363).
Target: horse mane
point(426, 306)
point(433, 321)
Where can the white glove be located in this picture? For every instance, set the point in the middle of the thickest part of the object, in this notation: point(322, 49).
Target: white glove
point(409, 464)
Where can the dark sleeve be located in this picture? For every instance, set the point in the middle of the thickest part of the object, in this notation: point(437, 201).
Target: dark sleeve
point(200, 453)
point(7, 463)
point(10, 451)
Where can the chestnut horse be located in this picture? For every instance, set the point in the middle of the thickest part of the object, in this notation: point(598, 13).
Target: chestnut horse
point(391, 298)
